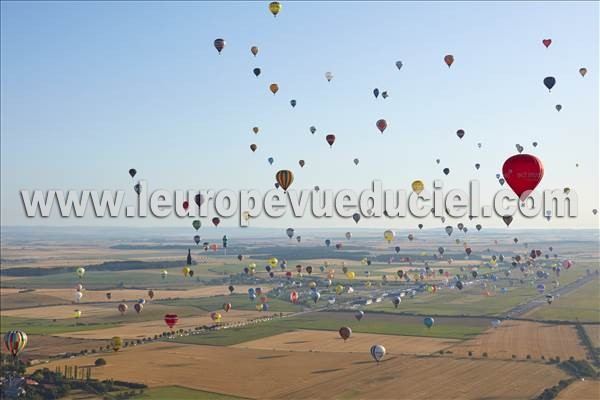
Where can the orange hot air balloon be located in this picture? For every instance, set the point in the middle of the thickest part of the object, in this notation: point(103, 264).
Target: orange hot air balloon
point(274, 88)
point(449, 59)
point(253, 147)
point(330, 139)
point(284, 178)
point(294, 297)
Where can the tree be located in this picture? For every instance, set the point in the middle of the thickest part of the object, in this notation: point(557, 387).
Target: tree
point(99, 362)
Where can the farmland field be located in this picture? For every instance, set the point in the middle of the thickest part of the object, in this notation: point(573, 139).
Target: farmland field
point(335, 374)
point(581, 305)
point(523, 338)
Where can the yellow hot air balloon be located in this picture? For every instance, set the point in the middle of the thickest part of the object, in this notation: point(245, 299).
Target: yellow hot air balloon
point(274, 7)
point(186, 271)
point(274, 88)
point(389, 235)
point(116, 343)
point(77, 314)
point(246, 215)
point(339, 289)
point(252, 266)
point(273, 262)
point(80, 272)
point(350, 274)
point(418, 186)
point(259, 307)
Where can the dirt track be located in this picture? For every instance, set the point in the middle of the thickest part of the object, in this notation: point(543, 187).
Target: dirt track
point(522, 338)
point(295, 375)
point(329, 341)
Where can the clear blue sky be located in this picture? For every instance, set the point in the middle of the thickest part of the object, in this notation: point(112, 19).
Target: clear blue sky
point(90, 90)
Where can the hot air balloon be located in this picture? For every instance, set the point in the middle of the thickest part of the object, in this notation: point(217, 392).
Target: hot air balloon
point(77, 314)
point(396, 301)
point(359, 315)
point(80, 272)
point(523, 172)
point(348, 235)
point(171, 320)
point(138, 188)
point(216, 221)
point(477, 165)
point(330, 139)
point(376, 92)
point(294, 296)
point(138, 307)
point(496, 323)
point(122, 308)
point(196, 224)
point(293, 103)
point(449, 59)
point(549, 82)
point(345, 332)
point(301, 163)
point(328, 76)
point(582, 71)
point(418, 186)
point(389, 235)
point(399, 64)
point(274, 7)
point(547, 42)
point(377, 352)
point(256, 71)
point(163, 273)
point(133, 171)
point(356, 217)
point(254, 50)
point(284, 178)
point(381, 125)
point(253, 147)
point(274, 88)
point(558, 107)
point(428, 321)
point(219, 44)
point(312, 129)
point(77, 295)
point(199, 199)
point(116, 342)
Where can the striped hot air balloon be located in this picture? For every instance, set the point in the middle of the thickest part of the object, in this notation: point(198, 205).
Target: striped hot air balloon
point(15, 342)
point(284, 178)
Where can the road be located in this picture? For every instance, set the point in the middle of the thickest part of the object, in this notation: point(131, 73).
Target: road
point(541, 300)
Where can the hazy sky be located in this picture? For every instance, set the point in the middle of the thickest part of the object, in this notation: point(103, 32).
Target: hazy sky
point(90, 90)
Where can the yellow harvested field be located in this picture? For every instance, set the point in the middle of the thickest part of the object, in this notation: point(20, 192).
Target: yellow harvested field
point(266, 374)
point(138, 330)
point(329, 341)
point(60, 312)
point(522, 338)
point(581, 390)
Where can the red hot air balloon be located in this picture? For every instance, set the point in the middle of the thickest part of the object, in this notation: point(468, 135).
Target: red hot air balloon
point(523, 172)
point(449, 59)
point(216, 221)
point(547, 42)
point(345, 332)
point(186, 205)
point(330, 139)
point(381, 125)
point(294, 297)
point(171, 320)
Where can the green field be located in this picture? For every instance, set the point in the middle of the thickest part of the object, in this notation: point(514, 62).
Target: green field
point(452, 328)
point(181, 393)
point(238, 301)
point(470, 302)
point(581, 304)
point(46, 326)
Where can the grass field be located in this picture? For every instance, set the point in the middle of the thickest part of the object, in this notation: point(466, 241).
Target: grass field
point(581, 304)
point(181, 393)
point(332, 321)
point(466, 302)
point(238, 301)
point(45, 326)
